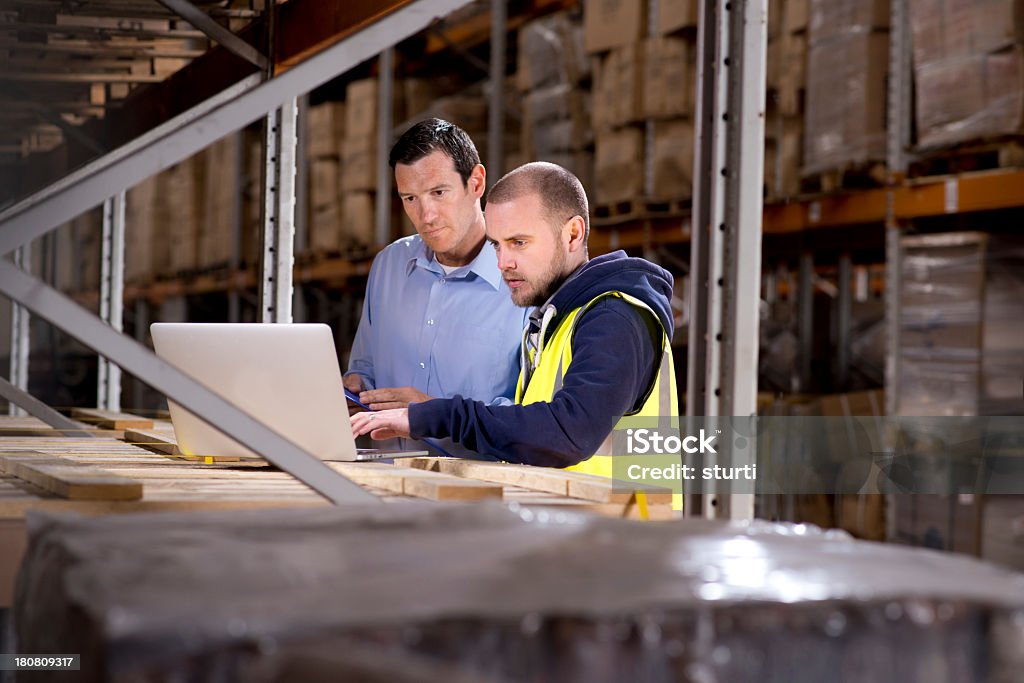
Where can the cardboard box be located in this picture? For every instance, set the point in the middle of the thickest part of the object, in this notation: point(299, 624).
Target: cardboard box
point(677, 14)
point(966, 98)
point(618, 165)
point(795, 16)
point(946, 29)
point(669, 77)
point(831, 18)
point(618, 90)
point(358, 219)
point(361, 108)
point(783, 155)
point(325, 227)
point(325, 129)
point(792, 77)
point(359, 163)
point(551, 52)
point(673, 160)
point(220, 197)
point(178, 212)
point(324, 183)
point(609, 24)
point(141, 258)
point(556, 119)
point(846, 94)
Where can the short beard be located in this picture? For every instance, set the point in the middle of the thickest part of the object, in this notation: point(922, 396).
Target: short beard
point(548, 284)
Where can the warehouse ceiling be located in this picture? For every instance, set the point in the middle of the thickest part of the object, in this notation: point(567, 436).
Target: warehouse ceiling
point(65, 62)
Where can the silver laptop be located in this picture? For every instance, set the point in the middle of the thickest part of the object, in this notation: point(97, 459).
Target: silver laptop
point(286, 376)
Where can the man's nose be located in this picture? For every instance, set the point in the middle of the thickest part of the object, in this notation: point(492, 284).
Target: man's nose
point(428, 211)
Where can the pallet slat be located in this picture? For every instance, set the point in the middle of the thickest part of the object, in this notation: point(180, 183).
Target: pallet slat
point(68, 479)
point(106, 419)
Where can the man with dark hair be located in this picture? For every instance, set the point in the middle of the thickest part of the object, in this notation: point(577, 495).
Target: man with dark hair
point(437, 320)
point(596, 349)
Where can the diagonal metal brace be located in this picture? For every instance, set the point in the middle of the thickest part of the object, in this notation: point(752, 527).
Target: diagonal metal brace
point(202, 21)
point(49, 304)
point(36, 408)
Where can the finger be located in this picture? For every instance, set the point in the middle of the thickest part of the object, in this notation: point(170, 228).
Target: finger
point(377, 395)
point(388, 406)
point(382, 433)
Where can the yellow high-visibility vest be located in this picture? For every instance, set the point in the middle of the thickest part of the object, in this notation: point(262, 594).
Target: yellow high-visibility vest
point(660, 400)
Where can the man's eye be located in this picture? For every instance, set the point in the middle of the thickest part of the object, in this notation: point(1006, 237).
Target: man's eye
point(519, 243)
point(408, 200)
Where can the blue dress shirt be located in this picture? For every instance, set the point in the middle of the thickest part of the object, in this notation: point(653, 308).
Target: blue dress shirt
point(444, 334)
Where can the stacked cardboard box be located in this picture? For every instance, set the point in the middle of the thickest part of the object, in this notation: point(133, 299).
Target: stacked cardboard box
point(141, 259)
point(325, 133)
point(551, 67)
point(961, 321)
point(968, 69)
point(359, 157)
point(220, 202)
point(87, 235)
point(848, 59)
point(787, 82)
point(178, 212)
point(639, 80)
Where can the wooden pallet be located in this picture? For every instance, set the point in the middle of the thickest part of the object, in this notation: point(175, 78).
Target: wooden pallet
point(849, 177)
point(107, 419)
point(632, 209)
point(976, 156)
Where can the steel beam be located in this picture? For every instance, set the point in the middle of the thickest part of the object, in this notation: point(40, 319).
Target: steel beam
point(20, 334)
point(201, 126)
point(385, 124)
point(39, 410)
point(727, 228)
point(60, 311)
point(108, 386)
point(278, 260)
point(231, 42)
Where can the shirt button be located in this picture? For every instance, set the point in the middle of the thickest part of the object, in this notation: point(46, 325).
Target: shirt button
point(423, 365)
point(430, 322)
point(442, 281)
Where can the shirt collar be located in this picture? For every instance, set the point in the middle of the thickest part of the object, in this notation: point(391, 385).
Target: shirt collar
point(485, 265)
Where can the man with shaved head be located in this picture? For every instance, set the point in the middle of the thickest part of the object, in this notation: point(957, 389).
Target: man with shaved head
point(596, 348)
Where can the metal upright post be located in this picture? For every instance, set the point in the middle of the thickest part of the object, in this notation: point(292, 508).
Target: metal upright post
point(278, 215)
point(844, 321)
point(727, 215)
point(496, 103)
point(108, 386)
point(20, 333)
point(897, 142)
point(385, 124)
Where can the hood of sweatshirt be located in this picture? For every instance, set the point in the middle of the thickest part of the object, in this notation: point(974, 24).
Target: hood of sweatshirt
point(614, 272)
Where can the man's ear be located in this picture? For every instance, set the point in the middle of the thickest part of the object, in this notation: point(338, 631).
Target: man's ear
point(477, 182)
point(576, 231)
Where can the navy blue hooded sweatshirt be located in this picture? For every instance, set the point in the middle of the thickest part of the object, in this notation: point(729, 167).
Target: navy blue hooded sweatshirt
point(616, 354)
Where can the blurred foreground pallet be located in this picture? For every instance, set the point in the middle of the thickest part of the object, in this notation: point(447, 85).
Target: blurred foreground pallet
point(144, 472)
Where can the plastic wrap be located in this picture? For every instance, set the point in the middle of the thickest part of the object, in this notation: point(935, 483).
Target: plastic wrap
point(510, 595)
point(845, 122)
point(551, 52)
point(961, 322)
point(556, 119)
point(829, 18)
point(967, 69)
point(969, 97)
